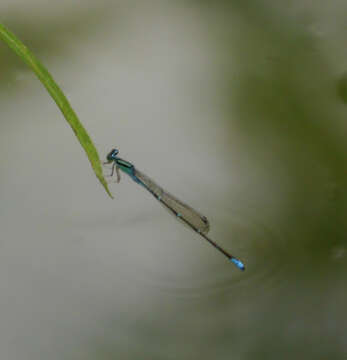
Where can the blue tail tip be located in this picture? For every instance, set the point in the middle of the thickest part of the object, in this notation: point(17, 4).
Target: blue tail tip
point(238, 263)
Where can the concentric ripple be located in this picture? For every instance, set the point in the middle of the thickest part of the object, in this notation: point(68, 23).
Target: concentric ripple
point(194, 269)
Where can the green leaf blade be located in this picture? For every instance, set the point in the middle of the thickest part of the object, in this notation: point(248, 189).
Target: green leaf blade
point(60, 99)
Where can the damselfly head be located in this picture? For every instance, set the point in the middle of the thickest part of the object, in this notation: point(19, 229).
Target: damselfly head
point(112, 155)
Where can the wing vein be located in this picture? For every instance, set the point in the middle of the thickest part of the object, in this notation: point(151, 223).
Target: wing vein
point(179, 208)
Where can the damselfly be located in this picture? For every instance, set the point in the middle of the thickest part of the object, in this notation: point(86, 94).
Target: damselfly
point(180, 210)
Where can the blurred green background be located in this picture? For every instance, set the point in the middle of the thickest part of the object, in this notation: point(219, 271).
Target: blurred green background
point(238, 108)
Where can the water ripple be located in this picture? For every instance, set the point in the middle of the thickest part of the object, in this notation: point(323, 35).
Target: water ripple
point(260, 247)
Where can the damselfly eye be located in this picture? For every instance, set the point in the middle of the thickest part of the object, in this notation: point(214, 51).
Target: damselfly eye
point(112, 154)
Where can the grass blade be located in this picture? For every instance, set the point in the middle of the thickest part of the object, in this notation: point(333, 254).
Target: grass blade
point(44, 76)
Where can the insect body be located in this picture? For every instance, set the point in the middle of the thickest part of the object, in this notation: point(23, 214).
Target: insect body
point(180, 210)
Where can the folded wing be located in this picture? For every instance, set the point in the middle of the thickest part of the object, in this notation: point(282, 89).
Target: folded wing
point(177, 207)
